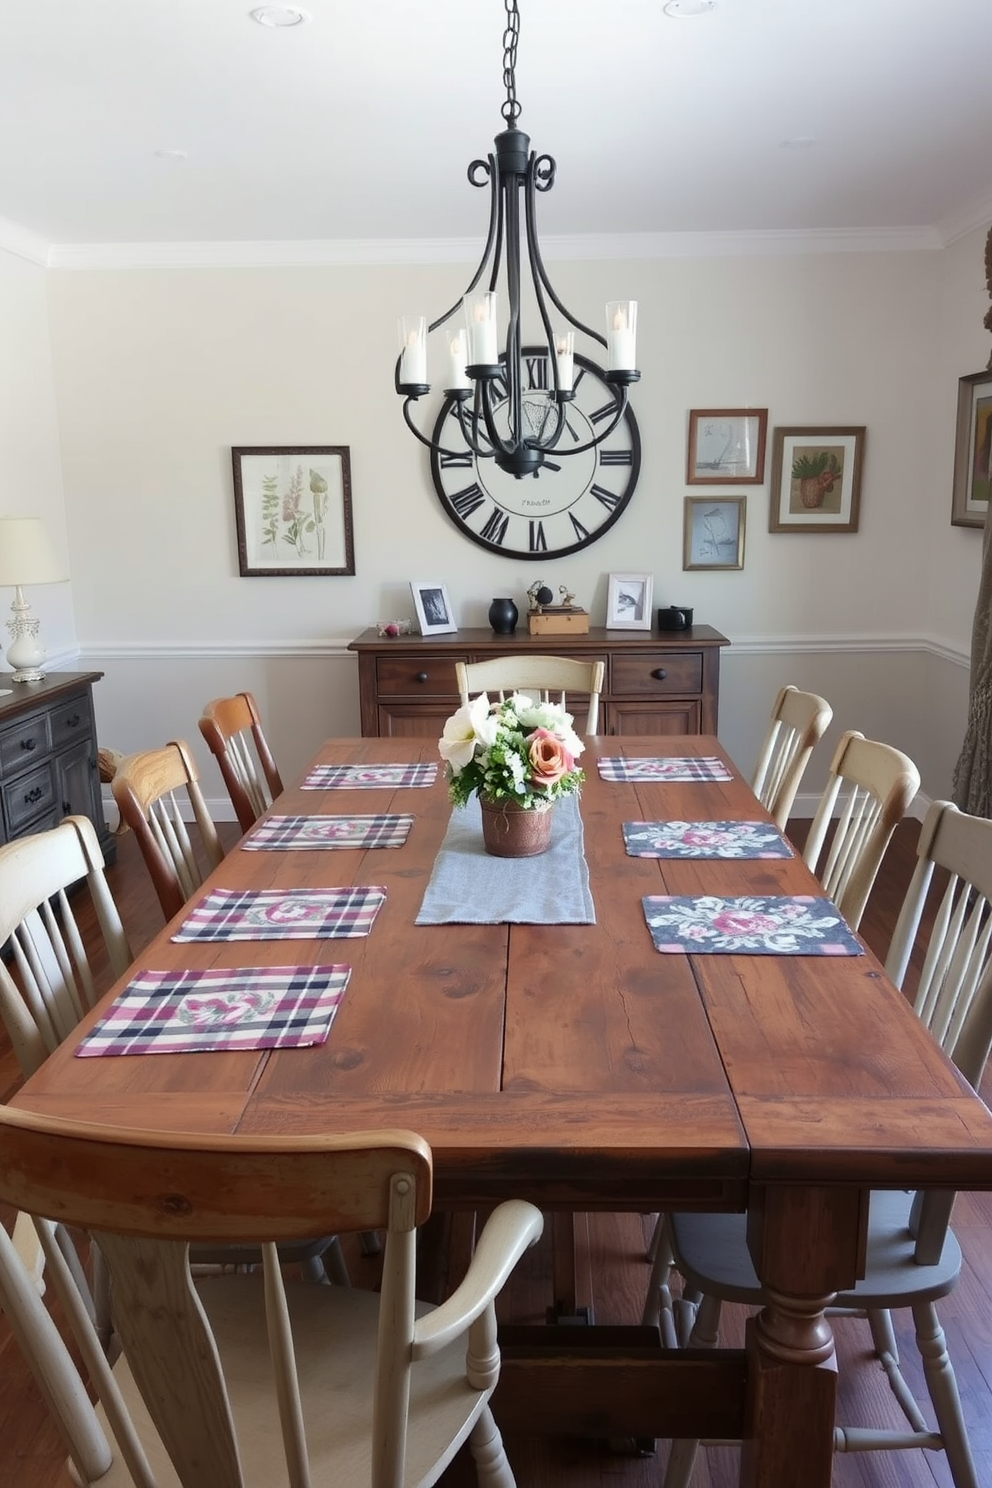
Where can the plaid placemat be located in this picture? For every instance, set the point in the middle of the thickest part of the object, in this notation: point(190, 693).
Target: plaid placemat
point(667, 767)
point(182, 1012)
point(765, 925)
point(328, 831)
point(358, 777)
point(282, 914)
point(704, 839)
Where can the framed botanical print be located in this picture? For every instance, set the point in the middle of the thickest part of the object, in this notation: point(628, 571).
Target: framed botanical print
point(726, 446)
point(816, 479)
point(972, 451)
point(292, 505)
point(713, 532)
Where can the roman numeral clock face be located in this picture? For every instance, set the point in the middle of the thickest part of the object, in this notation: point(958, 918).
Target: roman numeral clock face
point(571, 500)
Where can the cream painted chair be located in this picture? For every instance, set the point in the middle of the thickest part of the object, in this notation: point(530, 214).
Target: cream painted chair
point(149, 789)
point(913, 1258)
point(549, 677)
point(232, 728)
point(870, 787)
point(797, 724)
point(254, 1380)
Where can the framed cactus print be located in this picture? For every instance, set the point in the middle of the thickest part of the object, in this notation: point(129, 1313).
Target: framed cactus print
point(292, 505)
point(972, 451)
point(726, 446)
point(816, 479)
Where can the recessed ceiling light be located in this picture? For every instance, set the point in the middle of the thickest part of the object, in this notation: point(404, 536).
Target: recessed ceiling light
point(280, 15)
point(172, 154)
point(682, 10)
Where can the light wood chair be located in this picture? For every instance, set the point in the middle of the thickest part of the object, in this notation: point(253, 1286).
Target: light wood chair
point(149, 789)
point(871, 786)
point(549, 677)
point(797, 724)
point(233, 730)
point(913, 1257)
point(249, 1381)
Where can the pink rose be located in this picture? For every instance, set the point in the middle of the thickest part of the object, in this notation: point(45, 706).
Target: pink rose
point(549, 759)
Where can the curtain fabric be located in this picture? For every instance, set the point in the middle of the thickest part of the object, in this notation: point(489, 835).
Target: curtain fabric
point(973, 771)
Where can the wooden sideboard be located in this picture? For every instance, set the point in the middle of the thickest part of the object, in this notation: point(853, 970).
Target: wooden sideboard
point(661, 682)
point(48, 763)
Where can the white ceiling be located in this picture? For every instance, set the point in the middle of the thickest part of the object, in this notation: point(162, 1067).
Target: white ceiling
point(360, 125)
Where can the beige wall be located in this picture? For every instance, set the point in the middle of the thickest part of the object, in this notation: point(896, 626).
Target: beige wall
point(157, 373)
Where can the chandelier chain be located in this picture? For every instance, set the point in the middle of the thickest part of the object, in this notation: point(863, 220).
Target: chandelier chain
point(511, 108)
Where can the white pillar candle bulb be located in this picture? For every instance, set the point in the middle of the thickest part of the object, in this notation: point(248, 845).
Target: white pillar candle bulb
point(413, 350)
point(565, 357)
point(483, 340)
point(621, 331)
point(458, 353)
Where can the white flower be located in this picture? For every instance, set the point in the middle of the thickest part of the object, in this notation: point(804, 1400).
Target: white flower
point(551, 716)
point(462, 733)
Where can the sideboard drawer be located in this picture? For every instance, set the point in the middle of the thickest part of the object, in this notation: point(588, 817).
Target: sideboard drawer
point(651, 673)
point(72, 721)
point(416, 676)
point(29, 740)
point(28, 796)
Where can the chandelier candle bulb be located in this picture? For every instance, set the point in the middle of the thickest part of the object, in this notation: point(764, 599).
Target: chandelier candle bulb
point(565, 356)
point(413, 350)
point(621, 331)
point(458, 378)
point(483, 340)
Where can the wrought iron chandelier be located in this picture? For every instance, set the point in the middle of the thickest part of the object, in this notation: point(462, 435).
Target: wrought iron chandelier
point(501, 416)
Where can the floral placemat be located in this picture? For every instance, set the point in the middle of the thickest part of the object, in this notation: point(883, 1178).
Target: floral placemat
point(758, 925)
point(317, 832)
point(361, 777)
point(704, 839)
point(663, 768)
point(182, 1012)
point(282, 914)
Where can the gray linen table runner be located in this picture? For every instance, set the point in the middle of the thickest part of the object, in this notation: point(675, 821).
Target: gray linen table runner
point(467, 886)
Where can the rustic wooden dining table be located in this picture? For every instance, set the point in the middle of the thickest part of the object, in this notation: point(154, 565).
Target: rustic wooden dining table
point(574, 1065)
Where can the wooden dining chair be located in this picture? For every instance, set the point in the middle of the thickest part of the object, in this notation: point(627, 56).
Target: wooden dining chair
point(549, 677)
point(255, 1380)
point(797, 724)
point(232, 728)
point(870, 788)
point(150, 789)
point(913, 1257)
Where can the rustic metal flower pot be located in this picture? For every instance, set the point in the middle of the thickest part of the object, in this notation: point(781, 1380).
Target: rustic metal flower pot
point(508, 831)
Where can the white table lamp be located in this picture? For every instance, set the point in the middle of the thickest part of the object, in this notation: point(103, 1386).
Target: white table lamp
point(26, 557)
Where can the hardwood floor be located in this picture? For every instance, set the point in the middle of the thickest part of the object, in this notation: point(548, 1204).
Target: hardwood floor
point(31, 1455)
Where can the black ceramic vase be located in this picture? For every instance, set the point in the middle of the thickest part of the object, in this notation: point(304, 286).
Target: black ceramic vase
point(503, 616)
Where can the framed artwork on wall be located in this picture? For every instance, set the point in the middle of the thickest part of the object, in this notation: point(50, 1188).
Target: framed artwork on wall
point(816, 479)
point(972, 451)
point(713, 532)
point(292, 505)
point(433, 607)
point(726, 446)
point(628, 603)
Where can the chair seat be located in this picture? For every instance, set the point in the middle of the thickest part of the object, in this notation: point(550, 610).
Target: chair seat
point(711, 1253)
point(336, 1388)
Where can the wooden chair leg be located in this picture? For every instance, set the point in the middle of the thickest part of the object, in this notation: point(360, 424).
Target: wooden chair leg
point(944, 1394)
point(680, 1464)
point(486, 1446)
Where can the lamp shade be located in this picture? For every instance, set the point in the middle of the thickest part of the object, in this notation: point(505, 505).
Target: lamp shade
point(26, 553)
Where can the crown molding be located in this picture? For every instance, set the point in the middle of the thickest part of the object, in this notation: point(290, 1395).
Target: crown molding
point(413, 251)
point(23, 243)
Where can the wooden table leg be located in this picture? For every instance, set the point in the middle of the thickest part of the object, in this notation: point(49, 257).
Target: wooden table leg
point(791, 1395)
point(571, 1269)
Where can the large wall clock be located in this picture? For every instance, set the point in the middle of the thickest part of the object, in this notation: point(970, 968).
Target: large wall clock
point(572, 499)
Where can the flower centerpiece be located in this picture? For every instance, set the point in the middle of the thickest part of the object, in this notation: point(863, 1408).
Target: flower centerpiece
point(518, 756)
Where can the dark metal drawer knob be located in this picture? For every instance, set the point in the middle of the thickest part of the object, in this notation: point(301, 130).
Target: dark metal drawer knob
point(420, 677)
point(33, 795)
point(28, 744)
point(659, 674)
point(73, 721)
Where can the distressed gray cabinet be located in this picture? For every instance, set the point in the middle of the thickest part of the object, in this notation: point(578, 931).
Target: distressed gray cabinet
point(48, 763)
